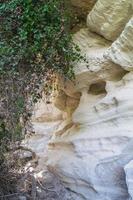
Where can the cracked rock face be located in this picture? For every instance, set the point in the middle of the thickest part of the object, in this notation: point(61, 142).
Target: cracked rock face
point(92, 150)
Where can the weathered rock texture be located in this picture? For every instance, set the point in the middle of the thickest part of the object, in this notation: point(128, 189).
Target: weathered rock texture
point(92, 150)
point(46, 112)
point(108, 18)
point(121, 51)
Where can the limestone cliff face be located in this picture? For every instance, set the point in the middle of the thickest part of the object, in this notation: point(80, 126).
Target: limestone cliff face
point(92, 150)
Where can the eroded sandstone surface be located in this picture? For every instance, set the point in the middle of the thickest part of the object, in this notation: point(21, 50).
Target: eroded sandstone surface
point(91, 151)
point(90, 132)
point(108, 18)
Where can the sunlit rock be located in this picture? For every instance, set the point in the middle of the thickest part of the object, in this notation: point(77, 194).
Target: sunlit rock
point(46, 112)
point(90, 156)
point(95, 67)
point(91, 148)
point(108, 18)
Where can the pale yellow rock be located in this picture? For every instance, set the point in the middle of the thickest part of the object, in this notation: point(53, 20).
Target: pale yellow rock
point(68, 86)
point(44, 112)
point(96, 68)
point(60, 100)
point(108, 18)
point(66, 103)
point(71, 105)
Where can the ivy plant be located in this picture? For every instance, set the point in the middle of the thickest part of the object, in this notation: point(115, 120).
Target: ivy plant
point(35, 43)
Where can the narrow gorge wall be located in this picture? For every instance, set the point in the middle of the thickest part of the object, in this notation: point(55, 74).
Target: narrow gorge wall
point(92, 150)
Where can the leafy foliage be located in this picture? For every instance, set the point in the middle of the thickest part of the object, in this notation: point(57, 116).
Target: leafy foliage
point(35, 43)
point(35, 36)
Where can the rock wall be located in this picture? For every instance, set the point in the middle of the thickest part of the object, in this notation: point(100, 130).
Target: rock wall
point(121, 51)
point(92, 150)
point(45, 111)
point(108, 18)
point(82, 7)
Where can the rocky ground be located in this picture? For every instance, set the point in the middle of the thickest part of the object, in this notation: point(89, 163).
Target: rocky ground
point(37, 182)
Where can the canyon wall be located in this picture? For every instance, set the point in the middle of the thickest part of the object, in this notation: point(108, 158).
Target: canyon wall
point(92, 149)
